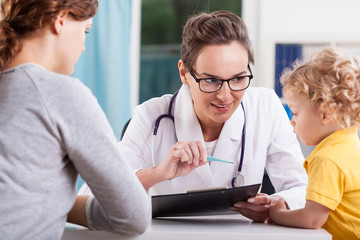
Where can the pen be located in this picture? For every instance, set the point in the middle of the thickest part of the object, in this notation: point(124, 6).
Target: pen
point(214, 159)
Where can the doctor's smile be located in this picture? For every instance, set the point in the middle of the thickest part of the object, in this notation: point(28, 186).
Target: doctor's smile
point(221, 108)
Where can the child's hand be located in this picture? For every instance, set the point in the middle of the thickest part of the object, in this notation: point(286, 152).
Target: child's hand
point(275, 209)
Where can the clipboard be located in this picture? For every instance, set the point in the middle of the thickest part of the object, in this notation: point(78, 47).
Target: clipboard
point(201, 203)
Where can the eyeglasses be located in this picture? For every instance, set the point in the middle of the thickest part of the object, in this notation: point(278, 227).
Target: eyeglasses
point(210, 85)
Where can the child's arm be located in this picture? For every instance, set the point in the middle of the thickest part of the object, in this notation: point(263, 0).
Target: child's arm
point(314, 215)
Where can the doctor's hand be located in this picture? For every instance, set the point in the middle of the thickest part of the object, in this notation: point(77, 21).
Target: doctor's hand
point(257, 208)
point(182, 158)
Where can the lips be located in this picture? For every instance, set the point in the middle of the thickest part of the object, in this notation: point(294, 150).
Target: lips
point(221, 107)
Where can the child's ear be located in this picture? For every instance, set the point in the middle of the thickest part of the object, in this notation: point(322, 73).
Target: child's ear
point(182, 72)
point(326, 118)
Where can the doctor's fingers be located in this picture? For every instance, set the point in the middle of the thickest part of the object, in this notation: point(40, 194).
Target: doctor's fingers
point(260, 198)
point(252, 206)
point(202, 152)
point(253, 215)
point(198, 152)
point(181, 151)
point(190, 152)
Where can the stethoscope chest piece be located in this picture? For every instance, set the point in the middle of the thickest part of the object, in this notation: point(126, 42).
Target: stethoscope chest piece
point(238, 181)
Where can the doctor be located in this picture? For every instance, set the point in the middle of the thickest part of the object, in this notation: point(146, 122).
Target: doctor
point(215, 113)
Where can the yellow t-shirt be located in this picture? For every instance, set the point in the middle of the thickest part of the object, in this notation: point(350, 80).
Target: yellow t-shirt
point(334, 181)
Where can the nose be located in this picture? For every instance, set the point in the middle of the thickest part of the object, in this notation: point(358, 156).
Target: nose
point(224, 92)
point(292, 122)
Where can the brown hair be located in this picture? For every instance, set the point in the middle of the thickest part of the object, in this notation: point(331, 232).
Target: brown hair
point(21, 18)
point(219, 27)
point(331, 81)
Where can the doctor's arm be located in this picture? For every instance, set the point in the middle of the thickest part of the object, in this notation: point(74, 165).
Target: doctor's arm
point(182, 158)
point(177, 160)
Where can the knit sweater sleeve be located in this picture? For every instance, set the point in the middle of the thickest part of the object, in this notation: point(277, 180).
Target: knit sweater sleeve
point(120, 203)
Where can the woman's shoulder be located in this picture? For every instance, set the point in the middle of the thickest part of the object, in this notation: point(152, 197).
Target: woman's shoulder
point(262, 96)
point(156, 105)
point(147, 113)
point(46, 83)
point(260, 91)
point(58, 91)
point(44, 78)
point(36, 70)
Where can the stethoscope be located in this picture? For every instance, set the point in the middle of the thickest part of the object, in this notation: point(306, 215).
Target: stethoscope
point(238, 179)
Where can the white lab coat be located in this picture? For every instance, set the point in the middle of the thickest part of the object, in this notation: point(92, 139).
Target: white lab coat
point(270, 143)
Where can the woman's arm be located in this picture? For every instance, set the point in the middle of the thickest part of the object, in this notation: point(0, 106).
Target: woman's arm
point(314, 215)
point(149, 177)
point(77, 214)
point(120, 203)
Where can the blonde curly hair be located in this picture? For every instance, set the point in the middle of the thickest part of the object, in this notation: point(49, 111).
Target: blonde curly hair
point(331, 81)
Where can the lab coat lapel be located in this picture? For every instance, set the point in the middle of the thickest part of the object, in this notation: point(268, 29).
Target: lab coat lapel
point(229, 143)
point(188, 128)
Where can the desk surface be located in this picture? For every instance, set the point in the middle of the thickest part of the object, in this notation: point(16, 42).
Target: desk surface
point(226, 227)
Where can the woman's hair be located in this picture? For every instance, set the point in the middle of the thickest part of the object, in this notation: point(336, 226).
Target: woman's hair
point(331, 81)
point(21, 18)
point(220, 27)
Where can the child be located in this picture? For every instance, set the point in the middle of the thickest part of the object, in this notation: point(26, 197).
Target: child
point(324, 96)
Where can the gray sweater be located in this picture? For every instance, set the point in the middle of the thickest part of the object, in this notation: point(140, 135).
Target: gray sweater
point(51, 129)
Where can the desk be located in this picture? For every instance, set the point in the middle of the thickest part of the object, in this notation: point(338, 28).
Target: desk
point(224, 227)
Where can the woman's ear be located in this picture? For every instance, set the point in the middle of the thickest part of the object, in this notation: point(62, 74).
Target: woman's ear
point(58, 25)
point(182, 72)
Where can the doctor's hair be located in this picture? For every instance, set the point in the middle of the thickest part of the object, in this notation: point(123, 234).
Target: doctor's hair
point(330, 80)
point(219, 28)
point(22, 18)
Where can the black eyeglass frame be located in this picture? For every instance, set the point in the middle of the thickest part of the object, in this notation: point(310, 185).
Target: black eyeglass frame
point(250, 76)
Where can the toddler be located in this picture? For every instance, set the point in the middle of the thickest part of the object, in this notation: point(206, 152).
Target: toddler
point(324, 96)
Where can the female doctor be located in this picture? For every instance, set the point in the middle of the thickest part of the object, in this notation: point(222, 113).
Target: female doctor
point(215, 113)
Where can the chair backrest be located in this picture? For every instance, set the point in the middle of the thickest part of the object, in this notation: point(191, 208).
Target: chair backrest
point(124, 129)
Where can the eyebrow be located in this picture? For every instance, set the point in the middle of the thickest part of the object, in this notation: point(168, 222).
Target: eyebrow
point(214, 76)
